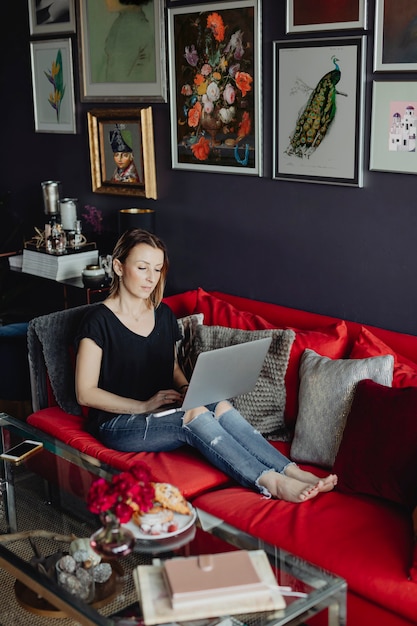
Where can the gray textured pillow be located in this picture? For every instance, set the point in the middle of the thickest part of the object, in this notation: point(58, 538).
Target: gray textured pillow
point(187, 326)
point(55, 333)
point(327, 388)
point(264, 406)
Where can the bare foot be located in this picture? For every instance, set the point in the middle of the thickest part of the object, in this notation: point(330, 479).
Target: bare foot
point(325, 484)
point(288, 488)
point(329, 483)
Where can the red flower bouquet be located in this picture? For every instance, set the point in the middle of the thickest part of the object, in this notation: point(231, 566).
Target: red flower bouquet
point(127, 493)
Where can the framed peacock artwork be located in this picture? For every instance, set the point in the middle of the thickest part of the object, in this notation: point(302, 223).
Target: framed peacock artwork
point(318, 113)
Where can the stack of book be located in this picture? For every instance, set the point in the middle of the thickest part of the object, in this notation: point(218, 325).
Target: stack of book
point(16, 261)
point(204, 586)
point(58, 267)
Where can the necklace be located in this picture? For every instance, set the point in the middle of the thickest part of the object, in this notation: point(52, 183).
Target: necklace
point(134, 317)
point(137, 317)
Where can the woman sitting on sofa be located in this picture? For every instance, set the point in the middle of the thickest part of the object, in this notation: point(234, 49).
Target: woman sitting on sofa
point(127, 369)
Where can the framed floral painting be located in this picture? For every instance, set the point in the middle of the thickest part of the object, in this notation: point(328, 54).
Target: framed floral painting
point(215, 87)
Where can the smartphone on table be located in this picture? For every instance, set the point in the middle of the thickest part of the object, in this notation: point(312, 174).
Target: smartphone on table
point(21, 451)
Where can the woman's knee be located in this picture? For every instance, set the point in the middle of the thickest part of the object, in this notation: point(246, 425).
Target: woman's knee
point(193, 413)
point(222, 408)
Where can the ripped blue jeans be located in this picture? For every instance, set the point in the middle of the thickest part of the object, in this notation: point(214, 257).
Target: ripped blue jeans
point(229, 442)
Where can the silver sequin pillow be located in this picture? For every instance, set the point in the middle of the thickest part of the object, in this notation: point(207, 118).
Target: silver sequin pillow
point(263, 407)
point(327, 387)
point(185, 346)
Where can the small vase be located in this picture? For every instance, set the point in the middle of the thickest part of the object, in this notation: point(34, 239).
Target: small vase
point(212, 124)
point(112, 540)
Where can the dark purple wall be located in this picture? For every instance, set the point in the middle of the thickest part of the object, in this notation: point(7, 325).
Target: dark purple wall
point(343, 251)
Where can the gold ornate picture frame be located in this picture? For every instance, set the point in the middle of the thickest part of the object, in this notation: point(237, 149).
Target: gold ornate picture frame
point(126, 132)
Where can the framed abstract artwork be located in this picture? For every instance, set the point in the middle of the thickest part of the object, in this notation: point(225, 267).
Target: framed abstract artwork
point(393, 127)
point(318, 110)
point(53, 86)
point(122, 153)
point(215, 54)
point(395, 48)
point(122, 51)
point(306, 16)
point(51, 17)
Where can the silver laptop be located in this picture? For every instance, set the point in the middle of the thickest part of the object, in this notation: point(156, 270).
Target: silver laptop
point(222, 374)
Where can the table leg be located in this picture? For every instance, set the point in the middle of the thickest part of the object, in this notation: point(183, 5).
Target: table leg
point(337, 611)
point(7, 488)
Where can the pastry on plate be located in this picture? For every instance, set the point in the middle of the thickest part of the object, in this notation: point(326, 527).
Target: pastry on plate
point(156, 521)
point(170, 497)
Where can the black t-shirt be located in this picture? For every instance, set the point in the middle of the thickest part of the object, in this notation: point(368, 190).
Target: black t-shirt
point(132, 366)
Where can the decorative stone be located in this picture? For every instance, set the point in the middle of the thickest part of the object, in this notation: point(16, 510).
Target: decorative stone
point(67, 564)
point(102, 572)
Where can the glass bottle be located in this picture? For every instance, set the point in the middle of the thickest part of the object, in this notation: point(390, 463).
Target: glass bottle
point(56, 241)
point(78, 236)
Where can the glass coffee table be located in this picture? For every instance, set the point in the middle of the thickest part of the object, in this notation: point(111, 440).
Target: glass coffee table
point(30, 505)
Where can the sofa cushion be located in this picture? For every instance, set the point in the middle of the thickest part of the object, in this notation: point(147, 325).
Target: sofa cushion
point(413, 568)
point(367, 344)
point(185, 467)
point(264, 406)
point(185, 346)
point(182, 304)
point(331, 340)
point(55, 334)
point(218, 312)
point(326, 391)
point(378, 452)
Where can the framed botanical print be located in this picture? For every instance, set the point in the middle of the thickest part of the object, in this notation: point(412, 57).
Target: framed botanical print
point(53, 86)
point(215, 52)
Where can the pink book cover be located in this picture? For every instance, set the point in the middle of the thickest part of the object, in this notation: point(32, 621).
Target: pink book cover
point(233, 590)
point(196, 578)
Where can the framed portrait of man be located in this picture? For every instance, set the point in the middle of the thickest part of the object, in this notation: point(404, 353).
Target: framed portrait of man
point(122, 153)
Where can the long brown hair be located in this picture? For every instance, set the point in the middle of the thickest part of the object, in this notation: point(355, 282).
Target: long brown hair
point(125, 244)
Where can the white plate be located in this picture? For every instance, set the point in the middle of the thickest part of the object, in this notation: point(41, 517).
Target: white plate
point(182, 521)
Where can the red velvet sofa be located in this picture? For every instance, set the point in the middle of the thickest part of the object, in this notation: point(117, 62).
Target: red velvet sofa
point(362, 531)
